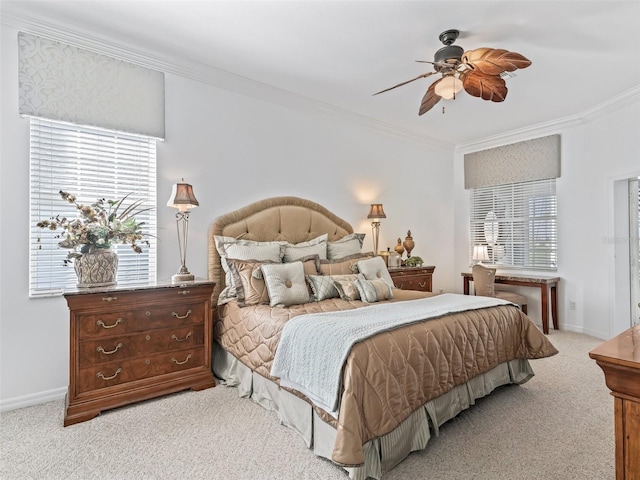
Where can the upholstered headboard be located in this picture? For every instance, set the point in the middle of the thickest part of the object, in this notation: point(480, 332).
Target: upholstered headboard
point(279, 218)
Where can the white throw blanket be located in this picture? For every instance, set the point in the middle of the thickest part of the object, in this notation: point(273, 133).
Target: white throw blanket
point(314, 347)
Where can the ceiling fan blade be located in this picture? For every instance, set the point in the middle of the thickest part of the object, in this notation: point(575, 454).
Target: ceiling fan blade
point(430, 98)
point(424, 75)
point(493, 61)
point(487, 87)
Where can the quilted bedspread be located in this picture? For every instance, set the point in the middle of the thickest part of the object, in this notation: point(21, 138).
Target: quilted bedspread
point(390, 375)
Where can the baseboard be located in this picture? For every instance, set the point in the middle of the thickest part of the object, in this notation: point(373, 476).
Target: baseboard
point(585, 331)
point(33, 399)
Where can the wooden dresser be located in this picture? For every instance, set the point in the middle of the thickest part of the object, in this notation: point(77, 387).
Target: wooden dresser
point(413, 278)
point(134, 343)
point(619, 359)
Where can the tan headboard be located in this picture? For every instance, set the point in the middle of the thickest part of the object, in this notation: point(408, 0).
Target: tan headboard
point(279, 218)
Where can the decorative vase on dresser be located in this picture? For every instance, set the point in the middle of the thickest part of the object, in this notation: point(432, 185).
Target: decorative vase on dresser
point(408, 243)
point(98, 268)
point(136, 342)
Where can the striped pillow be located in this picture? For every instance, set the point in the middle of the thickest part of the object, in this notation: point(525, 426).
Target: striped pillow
point(373, 290)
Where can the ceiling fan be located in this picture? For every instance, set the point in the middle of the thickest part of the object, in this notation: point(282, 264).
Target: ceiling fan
point(480, 72)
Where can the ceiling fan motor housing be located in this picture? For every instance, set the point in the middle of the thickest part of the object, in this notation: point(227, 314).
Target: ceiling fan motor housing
point(450, 52)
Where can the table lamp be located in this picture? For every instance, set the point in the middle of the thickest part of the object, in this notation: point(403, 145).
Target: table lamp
point(183, 199)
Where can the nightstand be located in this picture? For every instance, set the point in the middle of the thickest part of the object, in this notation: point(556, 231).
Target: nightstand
point(413, 278)
point(132, 343)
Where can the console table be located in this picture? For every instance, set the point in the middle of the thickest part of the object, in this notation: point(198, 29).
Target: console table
point(619, 359)
point(548, 288)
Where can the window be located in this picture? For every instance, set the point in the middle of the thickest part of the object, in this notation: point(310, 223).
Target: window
point(518, 223)
point(89, 163)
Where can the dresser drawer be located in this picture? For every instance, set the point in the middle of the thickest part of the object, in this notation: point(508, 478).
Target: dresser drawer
point(117, 373)
point(119, 322)
point(413, 278)
point(413, 283)
point(118, 348)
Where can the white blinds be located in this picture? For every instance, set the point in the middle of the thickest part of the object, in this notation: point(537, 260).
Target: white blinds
point(518, 222)
point(89, 163)
point(62, 82)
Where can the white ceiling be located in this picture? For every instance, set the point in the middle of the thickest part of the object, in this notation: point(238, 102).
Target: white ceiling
point(583, 53)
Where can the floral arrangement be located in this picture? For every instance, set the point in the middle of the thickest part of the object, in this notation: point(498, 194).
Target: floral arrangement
point(413, 261)
point(98, 226)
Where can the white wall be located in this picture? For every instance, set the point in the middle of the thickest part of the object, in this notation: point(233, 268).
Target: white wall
point(595, 153)
point(234, 150)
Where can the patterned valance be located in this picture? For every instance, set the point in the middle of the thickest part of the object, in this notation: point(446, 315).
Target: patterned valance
point(536, 159)
point(61, 82)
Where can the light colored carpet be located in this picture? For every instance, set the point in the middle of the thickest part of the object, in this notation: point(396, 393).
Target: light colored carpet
point(559, 425)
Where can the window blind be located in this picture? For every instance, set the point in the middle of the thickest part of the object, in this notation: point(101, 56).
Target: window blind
point(89, 163)
point(518, 223)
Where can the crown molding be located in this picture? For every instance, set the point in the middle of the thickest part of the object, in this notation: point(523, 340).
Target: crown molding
point(210, 75)
point(618, 102)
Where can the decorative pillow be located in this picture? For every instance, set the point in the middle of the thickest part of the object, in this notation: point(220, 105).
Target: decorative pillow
point(285, 284)
point(342, 266)
point(316, 246)
point(347, 245)
point(347, 288)
point(250, 287)
point(374, 268)
point(229, 247)
point(323, 286)
point(373, 290)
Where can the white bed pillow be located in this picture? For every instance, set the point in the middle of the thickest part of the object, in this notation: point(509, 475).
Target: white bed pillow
point(374, 268)
point(373, 290)
point(229, 247)
point(316, 246)
point(348, 245)
point(285, 283)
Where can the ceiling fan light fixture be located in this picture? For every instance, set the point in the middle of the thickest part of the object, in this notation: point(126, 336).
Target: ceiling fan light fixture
point(448, 87)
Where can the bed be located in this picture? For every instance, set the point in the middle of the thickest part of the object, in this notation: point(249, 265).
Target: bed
point(396, 387)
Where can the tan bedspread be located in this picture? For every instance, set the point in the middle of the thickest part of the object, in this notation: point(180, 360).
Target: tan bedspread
point(390, 375)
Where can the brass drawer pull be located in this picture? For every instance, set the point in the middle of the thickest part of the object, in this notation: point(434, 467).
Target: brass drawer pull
point(109, 299)
point(422, 284)
point(173, 337)
point(102, 350)
point(183, 316)
point(101, 375)
point(101, 323)
point(183, 292)
point(181, 363)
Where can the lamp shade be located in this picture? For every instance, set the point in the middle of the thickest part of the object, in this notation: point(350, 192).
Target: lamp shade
point(182, 197)
point(376, 211)
point(448, 87)
point(480, 253)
